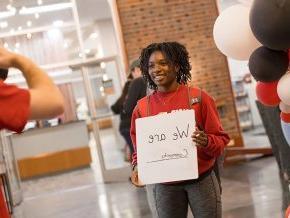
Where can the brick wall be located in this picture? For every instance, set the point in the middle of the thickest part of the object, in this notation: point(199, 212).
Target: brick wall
point(189, 22)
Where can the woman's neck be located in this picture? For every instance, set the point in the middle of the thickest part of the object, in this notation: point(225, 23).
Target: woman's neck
point(172, 87)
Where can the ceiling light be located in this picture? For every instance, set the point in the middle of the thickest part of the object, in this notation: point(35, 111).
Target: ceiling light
point(94, 35)
point(10, 13)
point(57, 23)
point(36, 15)
point(105, 77)
point(39, 2)
point(81, 55)
point(3, 24)
point(17, 45)
point(45, 8)
point(9, 7)
point(28, 35)
point(103, 65)
point(29, 23)
point(54, 34)
point(6, 45)
point(65, 45)
point(19, 28)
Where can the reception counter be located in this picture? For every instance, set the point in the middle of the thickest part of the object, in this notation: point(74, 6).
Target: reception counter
point(52, 149)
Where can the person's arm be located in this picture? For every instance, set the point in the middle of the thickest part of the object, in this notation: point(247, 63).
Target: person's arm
point(134, 94)
point(135, 115)
point(117, 107)
point(46, 100)
point(134, 176)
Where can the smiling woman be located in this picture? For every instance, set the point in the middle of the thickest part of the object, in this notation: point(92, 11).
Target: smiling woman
point(166, 69)
point(158, 67)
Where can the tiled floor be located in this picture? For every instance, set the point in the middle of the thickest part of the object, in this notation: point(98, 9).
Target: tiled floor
point(250, 190)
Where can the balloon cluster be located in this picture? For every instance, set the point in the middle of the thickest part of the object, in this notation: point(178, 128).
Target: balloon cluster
point(260, 33)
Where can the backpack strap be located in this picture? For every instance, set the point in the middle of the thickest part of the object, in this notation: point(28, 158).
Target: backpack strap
point(194, 97)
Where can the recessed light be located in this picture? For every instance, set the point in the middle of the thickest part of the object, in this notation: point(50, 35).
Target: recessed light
point(103, 65)
point(10, 13)
point(19, 28)
point(45, 8)
point(9, 7)
point(65, 45)
point(36, 15)
point(28, 35)
point(105, 77)
point(39, 2)
point(3, 24)
point(94, 35)
point(57, 23)
point(29, 23)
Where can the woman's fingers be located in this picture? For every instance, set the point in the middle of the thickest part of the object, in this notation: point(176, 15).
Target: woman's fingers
point(135, 180)
point(200, 138)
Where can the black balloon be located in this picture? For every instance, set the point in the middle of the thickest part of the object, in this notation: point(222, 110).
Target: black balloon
point(270, 23)
point(267, 65)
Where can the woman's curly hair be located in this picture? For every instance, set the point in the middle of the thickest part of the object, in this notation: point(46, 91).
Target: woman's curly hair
point(175, 53)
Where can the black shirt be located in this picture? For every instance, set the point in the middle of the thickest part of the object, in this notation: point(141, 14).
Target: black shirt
point(137, 90)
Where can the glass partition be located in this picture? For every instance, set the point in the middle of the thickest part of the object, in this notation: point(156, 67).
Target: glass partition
point(76, 45)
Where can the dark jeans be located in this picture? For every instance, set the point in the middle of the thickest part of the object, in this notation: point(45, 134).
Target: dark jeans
point(126, 135)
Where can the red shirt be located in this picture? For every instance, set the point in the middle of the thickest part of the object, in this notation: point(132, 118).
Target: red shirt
point(14, 107)
point(206, 116)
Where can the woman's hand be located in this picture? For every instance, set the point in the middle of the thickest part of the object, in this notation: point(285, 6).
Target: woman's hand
point(200, 138)
point(134, 178)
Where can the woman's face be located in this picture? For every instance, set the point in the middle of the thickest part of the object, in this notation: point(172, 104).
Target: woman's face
point(161, 72)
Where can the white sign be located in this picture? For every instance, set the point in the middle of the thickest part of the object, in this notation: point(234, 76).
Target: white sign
point(165, 149)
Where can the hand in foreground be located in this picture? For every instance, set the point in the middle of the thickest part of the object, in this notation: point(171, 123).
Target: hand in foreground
point(200, 138)
point(135, 180)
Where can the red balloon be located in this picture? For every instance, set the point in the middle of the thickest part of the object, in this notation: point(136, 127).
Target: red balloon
point(267, 93)
point(285, 117)
point(287, 214)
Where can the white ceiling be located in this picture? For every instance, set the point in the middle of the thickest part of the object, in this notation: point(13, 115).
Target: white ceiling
point(89, 12)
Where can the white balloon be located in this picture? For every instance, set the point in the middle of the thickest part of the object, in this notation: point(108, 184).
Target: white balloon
point(283, 88)
point(247, 3)
point(284, 107)
point(232, 33)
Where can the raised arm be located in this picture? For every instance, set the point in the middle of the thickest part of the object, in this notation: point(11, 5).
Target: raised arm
point(46, 100)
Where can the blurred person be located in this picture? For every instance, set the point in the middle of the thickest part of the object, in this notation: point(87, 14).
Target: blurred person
point(134, 89)
point(42, 99)
point(166, 68)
